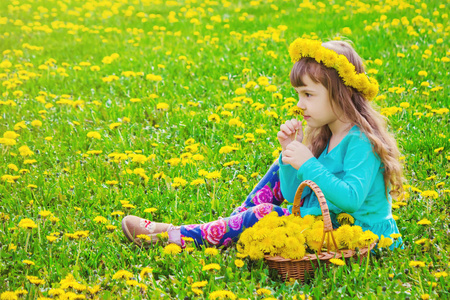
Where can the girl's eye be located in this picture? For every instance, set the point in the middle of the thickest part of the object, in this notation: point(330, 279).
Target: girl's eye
point(307, 94)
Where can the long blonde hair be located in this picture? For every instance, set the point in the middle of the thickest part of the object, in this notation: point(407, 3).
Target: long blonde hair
point(355, 108)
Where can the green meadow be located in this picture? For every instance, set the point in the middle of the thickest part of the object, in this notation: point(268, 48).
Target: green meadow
point(169, 110)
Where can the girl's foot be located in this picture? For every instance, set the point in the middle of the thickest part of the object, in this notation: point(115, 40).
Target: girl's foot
point(133, 226)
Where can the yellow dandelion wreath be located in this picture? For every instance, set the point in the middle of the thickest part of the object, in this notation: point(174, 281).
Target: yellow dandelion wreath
point(300, 48)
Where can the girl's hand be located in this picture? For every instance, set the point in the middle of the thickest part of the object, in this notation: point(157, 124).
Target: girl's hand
point(296, 154)
point(286, 135)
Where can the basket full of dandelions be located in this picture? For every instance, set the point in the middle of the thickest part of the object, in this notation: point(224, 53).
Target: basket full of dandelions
point(293, 245)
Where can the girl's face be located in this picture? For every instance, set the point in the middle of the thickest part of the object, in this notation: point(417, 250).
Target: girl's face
point(315, 103)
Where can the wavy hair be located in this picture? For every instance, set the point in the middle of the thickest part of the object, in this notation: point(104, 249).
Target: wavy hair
point(355, 108)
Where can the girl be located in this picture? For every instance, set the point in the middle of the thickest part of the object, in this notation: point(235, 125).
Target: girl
point(346, 151)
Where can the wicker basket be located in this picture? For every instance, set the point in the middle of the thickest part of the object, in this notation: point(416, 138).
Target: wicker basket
point(298, 268)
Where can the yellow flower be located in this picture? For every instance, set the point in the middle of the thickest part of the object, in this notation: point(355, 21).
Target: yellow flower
point(263, 291)
point(27, 224)
point(214, 175)
point(367, 238)
point(384, 242)
point(10, 135)
point(197, 182)
point(8, 296)
point(222, 295)
point(162, 106)
point(295, 111)
point(214, 118)
point(35, 280)
point(100, 219)
point(117, 213)
point(36, 123)
point(337, 261)
point(395, 235)
point(424, 222)
point(271, 88)
point(56, 292)
point(25, 151)
point(28, 262)
point(150, 210)
point(211, 251)
point(172, 249)
point(44, 213)
point(240, 91)
point(415, 263)
point(143, 237)
point(440, 274)
point(211, 267)
point(197, 291)
point(239, 263)
point(114, 125)
point(94, 135)
point(51, 238)
point(122, 274)
point(344, 218)
point(199, 284)
point(111, 227)
point(145, 271)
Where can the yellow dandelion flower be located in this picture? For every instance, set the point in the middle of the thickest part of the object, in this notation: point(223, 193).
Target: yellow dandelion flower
point(27, 224)
point(239, 263)
point(222, 295)
point(337, 261)
point(8, 296)
point(122, 274)
point(416, 263)
point(28, 262)
point(263, 291)
point(424, 221)
point(384, 242)
point(211, 251)
point(211, 267)
point(172, 249)
point(199, 284)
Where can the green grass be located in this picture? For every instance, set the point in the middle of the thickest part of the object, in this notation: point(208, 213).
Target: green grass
point(71, 183)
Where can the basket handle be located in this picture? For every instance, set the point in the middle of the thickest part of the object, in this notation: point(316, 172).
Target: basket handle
point(327, 225)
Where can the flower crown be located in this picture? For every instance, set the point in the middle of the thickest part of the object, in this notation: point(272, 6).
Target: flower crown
point(300, 48)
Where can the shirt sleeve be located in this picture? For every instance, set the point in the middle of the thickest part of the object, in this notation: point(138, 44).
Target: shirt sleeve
point(360, 167)
point(288, 181)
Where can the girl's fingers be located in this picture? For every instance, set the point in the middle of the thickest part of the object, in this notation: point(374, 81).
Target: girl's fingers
point(298, 124)
point(290, 125)
point(281, 135)
point(284, 128)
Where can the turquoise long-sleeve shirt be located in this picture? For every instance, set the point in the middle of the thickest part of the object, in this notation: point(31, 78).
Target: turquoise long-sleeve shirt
point(351, 179)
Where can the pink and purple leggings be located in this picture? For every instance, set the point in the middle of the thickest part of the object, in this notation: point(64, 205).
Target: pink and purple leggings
point(265, 198)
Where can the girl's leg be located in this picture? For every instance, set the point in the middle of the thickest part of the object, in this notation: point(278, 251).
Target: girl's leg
point(225, 231)
point(266, 191)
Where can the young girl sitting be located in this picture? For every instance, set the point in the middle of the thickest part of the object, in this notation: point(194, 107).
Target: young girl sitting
point(347, 152)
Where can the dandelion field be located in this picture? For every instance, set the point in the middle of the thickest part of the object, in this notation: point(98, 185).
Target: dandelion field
point(169, 110)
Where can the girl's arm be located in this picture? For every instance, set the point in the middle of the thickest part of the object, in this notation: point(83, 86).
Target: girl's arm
point(360, 166)
point(288, 181)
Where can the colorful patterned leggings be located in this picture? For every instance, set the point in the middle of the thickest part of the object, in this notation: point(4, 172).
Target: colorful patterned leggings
point(265, 198)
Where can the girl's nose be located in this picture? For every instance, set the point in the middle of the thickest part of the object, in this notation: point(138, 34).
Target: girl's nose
point(301, 104)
